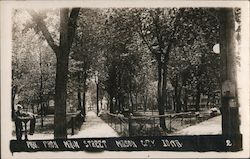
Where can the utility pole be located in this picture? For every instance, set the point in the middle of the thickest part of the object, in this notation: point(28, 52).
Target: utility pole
point(229, 101)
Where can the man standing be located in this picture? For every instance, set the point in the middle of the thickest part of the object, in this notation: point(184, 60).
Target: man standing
point(18, 122)
point(19, 116)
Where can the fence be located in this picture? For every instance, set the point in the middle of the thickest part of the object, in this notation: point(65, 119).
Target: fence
point(75, 121)
point(46, 124)
point(150, 125)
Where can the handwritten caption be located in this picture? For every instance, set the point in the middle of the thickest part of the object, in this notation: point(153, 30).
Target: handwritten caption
point(150, 143)
point(102, 144)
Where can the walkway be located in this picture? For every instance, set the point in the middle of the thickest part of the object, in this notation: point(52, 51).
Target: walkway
point(208, 127)
point(94, 127)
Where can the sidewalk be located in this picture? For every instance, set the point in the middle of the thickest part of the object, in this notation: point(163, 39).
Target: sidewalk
point(94, 127)
point(209, 127)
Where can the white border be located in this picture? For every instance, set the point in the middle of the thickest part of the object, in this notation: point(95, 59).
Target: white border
point(243, 76)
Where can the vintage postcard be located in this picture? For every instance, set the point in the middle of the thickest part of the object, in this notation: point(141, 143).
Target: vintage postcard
point(124, 79)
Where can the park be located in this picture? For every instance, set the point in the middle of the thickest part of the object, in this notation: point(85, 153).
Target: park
point(115, 72)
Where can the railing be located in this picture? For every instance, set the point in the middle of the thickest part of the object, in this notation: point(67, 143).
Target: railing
point(150, 125)
point(75, 121)
point(119, 123)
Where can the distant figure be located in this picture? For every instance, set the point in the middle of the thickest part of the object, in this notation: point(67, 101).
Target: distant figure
point(19, 114)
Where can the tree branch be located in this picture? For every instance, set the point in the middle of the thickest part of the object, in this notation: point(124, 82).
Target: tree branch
point(139, 30)
point(40, 23)
point(172, 36)
point(72, 24)
point(158, 32)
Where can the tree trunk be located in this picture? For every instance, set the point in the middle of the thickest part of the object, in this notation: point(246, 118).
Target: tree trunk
point(185, 102)
point(79, 99)
point(84, 102)
point(160, 106)
point(164, 78)
point(47, 107)
point(33, 108)
point(166, 102)
point(116, 104)
point(79, 91)
point(37, 108)
point(198, 96)
point(145, 102)
point(84, 94)
point(174, 100)
point(111, 109)
point(178, 100)
point(60, 128)
point(136, 100)
point(164, 86)
point(208, 100)
point(41, 87)
point(176, 95)
point(134, 107)
point(97, 98)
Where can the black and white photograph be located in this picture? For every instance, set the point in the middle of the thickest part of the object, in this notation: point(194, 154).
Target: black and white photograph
point(92, 79)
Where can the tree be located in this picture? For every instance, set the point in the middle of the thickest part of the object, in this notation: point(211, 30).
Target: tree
point(192, 64)
point(86, 50)
point(158, 28)
point(67, 31)
point(25, 63)
point(120, 60)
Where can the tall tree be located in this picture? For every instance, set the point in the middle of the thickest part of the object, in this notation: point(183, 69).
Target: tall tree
point(25, 63)
point(120, 59)
point(191, 60)
point(67, 31)
point(158, 29)
point(85, 57)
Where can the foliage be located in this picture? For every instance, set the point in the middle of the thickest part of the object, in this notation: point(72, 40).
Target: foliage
point(135, 57)
point(25, 62)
